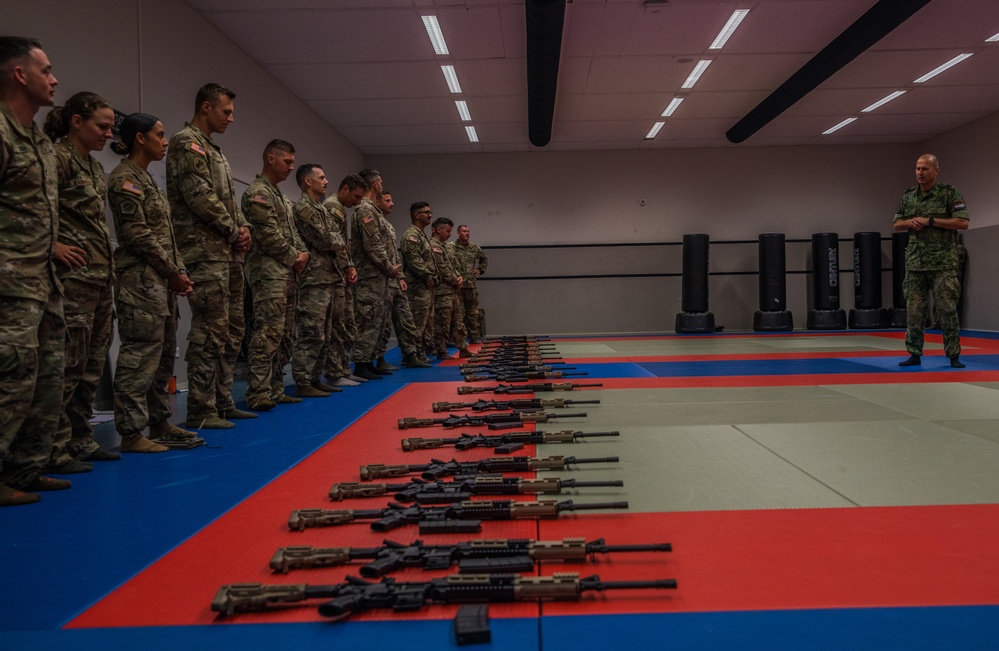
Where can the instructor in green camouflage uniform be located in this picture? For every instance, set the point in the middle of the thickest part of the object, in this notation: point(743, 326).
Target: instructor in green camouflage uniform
point(32, 329)
point(212, 236)
point(932, 213)
point(276, 257)
point(471, 263)
point(83, 251)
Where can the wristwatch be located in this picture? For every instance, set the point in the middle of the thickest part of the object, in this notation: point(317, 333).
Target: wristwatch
point(930, 221)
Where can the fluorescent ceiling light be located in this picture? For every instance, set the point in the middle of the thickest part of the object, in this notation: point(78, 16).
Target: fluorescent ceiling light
point(654, 130)
point(452, 79)
point(472, 136)
point(728, 29)
point(673, 106)
point(463, 110)
point(883, 101)
point(435, 34)
point(992, 39)
point(839, 126)
point(936, 71)
point(699, 69)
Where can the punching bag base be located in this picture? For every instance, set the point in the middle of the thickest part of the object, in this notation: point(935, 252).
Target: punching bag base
point(695, 323)
point(868, 319)
point(826, 320)
point(773, 321)
point(896, 318)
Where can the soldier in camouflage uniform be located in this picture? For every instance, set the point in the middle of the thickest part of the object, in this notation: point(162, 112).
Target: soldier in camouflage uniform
point(932, 213)
point(150, 276)
point(400, 315)
point(32, 328)
point(315, 285)
point(369, 249)
point(448, 316)
point(471, 263)
point(83, 251)
point(422, 275)
point(277, 256)
point(212, 236)
point(343, 329)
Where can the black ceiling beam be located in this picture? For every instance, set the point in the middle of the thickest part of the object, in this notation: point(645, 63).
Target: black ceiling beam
point(867, 30)
point(545, 19)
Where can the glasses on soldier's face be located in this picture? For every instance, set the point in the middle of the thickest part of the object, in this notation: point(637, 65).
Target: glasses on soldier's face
point(424, 212)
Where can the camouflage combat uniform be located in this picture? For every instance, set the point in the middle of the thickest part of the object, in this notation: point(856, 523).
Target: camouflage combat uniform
point(400, 315)
point(468, 258)
point(343, 329)
point(32, 327)
point(315, 290)
point(448, 316)
point(145, 260)
point(206, 222)
point(420, 266)
point(273, 286)
point(89, 298)
point(931, 266)
point(369, 246)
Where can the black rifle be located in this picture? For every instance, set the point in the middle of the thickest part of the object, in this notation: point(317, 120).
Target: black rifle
point(357, 595)
point(446, 492)
point(521, 377)
point(437, 468)
point(476, 556)
point(526, 388)
point(515, 404)
point(493, 421)
point(468, 441)
point(464, 517)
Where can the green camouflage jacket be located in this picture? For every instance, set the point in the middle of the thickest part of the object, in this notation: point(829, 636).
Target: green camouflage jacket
point(322, 240)
point(339, 215)
point(468, 258)
point(276, 242)
point(369, 242)
point(932, 248)
point(82, 195)
point(417, 257)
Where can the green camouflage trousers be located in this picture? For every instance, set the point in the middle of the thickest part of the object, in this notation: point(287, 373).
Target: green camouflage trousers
point(273, 337)
point(401, 318)
point(337, 352)
point(315, 324)
point(144, 367)
point(470, 306)
point(448, 322)
point(370, 310)
point(32, 341)
point(89, 330)
point(217, 324)
point(421, 305)
point(946, 290)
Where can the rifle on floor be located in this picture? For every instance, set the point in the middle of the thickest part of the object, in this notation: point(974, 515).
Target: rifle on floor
point(437, 468)
point(476, 556)
point(355, 595)
point(446, 492)
point(464, 517)
point(468, 441)
point(526, 388)
point(493, 421)
point(516, 404)
point(522, 377)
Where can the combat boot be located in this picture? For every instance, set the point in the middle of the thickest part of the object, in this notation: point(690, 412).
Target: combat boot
point(309, 391)
point(13, 497)
point(262, 404)
point(68, 467)
point(382, 365)
point(365, 373)
point(285, 399)
point(412, 361)
point(238, 414)
point(139, 443)
point(443, 354)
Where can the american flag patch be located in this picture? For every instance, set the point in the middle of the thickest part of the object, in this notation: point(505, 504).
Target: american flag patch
point(134, 188)
point(436, 250)
point(412, 238)
point(368, 219)
point(198, 149)
point(261, 199)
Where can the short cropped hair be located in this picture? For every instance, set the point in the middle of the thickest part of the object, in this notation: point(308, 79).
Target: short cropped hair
point(441, 221)
point(305, 171)
point(211, 93)
point(353, 182)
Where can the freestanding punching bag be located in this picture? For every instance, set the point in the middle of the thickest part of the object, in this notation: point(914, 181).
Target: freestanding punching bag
point(897, 313)
point(695, 318)
point(773, 315)
point(826, 313)
point(867, 312)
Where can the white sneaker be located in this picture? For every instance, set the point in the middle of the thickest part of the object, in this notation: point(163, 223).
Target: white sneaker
point(346, 382)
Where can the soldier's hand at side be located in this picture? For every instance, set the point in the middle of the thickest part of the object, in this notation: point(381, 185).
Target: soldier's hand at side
point(430, 282)
point(351, 275)
point(300, 261)
point(180, 284)
point(69, 256)
point(459, 283)
point(395, 271)
point(402, 285)
point(244, 240)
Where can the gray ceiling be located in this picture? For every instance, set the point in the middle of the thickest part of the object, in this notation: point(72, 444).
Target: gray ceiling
point(367, 67)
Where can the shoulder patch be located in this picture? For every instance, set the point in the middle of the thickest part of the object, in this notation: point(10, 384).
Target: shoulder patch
point(367, 219)
point(197, 149)
point(412, 238)
point(129, 186)
point(960, 205)
point(261, 199)
point(437, 249)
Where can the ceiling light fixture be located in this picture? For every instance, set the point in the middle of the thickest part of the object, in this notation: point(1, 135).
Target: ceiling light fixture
point(654, 130)
point(435, 34)
point(463, 110)
point(726, 33)
point(992, 39)
point(839, 126)
point(673, 106)
point(452, 79)
point(936, 71)
point(699, 69)
point(883, 101)
point(472, 136)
